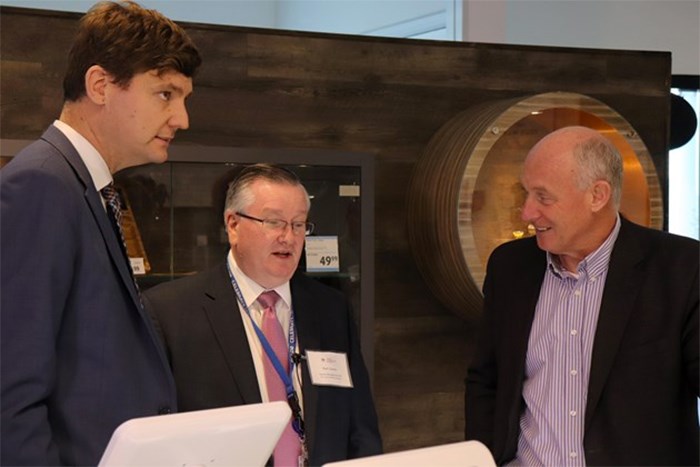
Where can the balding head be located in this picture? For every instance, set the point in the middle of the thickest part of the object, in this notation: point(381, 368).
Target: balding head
point(593, 155)
point(573, 179)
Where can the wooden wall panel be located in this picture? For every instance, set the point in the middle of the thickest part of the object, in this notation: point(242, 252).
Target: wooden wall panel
point(387, 97)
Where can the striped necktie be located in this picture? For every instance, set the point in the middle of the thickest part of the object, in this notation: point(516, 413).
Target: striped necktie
point(114, 210)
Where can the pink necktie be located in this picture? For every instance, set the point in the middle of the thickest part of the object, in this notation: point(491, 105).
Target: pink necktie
point(288, 447)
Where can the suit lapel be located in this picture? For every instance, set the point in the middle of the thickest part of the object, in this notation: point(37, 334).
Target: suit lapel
point(60, 142)
point(221, 308)
point(621, 288)
point(306, 315)
point(113, 244)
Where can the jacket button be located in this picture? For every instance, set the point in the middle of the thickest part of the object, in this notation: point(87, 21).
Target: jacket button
point(164, 410)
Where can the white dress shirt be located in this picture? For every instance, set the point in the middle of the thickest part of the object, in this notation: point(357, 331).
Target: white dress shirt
point(251, 291)
point(96, 165)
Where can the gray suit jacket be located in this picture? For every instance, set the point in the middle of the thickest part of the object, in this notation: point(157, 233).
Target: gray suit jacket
point(79, 354)
point(213, 366)
point(644, 382)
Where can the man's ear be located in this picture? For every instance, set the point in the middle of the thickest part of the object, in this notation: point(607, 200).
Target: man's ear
point(601, 192)
point(96, 81)
point(231, 221)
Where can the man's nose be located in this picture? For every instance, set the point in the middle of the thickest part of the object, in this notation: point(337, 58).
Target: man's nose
point(528, 211)
point(180, 118)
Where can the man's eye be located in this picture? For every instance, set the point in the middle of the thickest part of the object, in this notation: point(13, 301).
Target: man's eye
point(299, 225)
point(274, 223)
point(165, 95)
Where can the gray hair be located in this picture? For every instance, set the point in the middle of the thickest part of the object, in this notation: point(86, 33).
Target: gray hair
point(239, 196)
point(599, 159)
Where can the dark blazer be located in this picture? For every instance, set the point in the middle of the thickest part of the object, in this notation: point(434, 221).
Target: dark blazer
point(213, 367)
point(642, 394)
point(79, 354)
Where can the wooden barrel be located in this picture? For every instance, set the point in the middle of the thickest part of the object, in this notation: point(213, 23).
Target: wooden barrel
point(465, 196)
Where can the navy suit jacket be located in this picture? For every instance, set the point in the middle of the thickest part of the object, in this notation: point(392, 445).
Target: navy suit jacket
point(79, 354)
point(642, 393)
point(213, 367)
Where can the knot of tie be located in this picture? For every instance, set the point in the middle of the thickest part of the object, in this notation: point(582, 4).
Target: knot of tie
point(268, 299)
point(109, 193)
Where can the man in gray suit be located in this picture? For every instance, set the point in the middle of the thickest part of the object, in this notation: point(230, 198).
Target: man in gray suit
point(79, 354)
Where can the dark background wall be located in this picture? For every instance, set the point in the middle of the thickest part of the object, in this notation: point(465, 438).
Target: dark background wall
point(387, 97)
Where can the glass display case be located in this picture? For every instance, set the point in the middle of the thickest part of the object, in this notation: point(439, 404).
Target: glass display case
point(174, 226)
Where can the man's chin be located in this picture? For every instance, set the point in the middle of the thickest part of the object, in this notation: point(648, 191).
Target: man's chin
point(158, 158)
point(277, 279)
point(544, 244)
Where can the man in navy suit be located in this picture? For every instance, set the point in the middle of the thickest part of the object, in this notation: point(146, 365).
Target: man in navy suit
point(79, 354)
point(589, 352)
point(210, 322)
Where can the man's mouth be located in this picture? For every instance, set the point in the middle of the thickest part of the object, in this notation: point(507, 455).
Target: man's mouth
point(165, 138)
point(282, 254)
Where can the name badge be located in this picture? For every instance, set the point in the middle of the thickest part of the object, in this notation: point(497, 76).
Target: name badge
point(329, 368)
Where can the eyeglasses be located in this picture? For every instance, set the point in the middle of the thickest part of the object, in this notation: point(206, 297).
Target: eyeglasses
point(278, 225)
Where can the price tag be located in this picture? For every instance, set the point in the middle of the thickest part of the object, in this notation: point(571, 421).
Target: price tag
point(322, 254)
point(138, 266)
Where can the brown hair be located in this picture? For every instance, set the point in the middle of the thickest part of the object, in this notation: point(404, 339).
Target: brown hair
point(126, 39)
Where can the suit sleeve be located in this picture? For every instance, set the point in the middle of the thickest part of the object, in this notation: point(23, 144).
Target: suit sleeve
point(150, 309)
point(480, 393)
point(365, 439)
point(37, 248)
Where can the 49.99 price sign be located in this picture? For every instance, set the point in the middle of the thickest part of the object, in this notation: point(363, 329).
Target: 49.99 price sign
point(322, 254)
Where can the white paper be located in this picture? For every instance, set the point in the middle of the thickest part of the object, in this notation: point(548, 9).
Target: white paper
point(329, 368)
point(349, 190)
point(322, 254)
point(138, 266)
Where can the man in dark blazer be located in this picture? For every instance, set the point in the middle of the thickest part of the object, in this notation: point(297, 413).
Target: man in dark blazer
point(79, 353)
point(637, 373)
point(216, 356)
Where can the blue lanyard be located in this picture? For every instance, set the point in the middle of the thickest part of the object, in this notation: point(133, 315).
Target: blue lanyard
point(292, 397)
point(286, 378)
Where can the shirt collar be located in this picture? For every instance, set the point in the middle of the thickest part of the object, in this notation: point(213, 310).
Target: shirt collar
point(96, 165)
point(592, 265)
point(251, 290)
